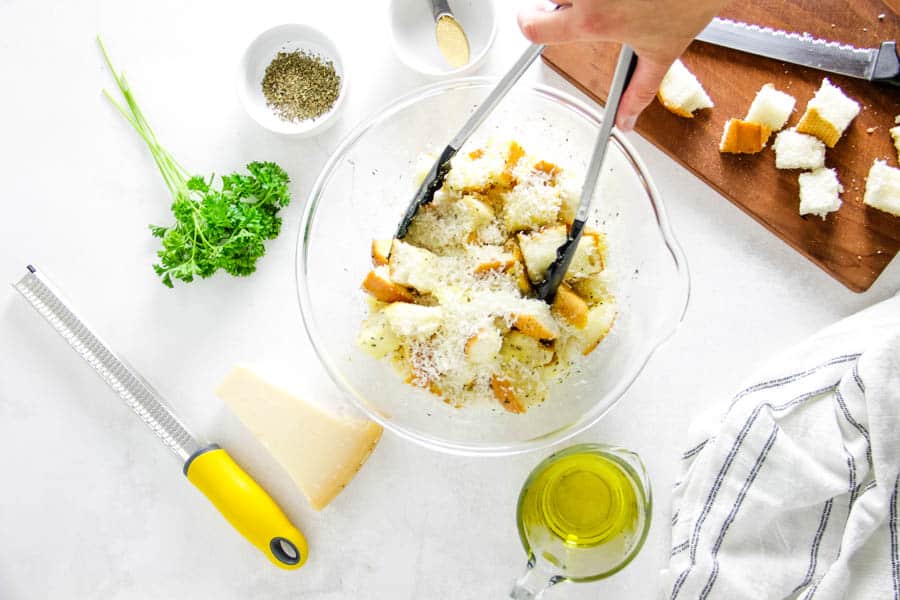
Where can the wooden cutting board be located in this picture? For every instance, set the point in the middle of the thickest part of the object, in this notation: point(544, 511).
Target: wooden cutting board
point(854, 244)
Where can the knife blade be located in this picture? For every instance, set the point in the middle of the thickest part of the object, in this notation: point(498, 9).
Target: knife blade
point(873, 64)
point(238, 497)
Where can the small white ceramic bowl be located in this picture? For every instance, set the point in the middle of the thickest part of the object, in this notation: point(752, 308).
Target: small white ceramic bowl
point(258, 56)
point(412, 34)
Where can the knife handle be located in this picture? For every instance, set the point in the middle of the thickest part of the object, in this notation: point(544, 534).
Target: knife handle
point(247, 506)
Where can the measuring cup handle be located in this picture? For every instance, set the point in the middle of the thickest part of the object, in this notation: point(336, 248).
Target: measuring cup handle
point(534, 582)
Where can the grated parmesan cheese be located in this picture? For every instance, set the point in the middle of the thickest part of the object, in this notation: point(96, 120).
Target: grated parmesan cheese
point(472, 333)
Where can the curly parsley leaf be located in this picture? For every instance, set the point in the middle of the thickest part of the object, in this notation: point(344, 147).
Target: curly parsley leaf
point(215, 228)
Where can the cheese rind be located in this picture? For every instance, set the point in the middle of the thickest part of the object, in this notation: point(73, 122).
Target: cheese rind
point(320, 452)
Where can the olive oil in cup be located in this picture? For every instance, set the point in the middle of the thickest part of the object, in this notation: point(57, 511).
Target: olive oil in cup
point(583, 514)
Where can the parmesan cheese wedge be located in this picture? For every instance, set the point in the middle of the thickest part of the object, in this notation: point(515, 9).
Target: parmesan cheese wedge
point(320, 452)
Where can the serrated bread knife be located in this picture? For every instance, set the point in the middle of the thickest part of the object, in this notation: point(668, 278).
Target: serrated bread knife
point(873, 64)
point(238, 497)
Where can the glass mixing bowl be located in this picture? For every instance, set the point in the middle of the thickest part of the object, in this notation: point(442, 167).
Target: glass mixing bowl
point(364, 190)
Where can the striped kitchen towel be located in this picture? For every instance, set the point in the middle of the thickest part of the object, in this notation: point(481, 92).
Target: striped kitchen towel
point(791, 489)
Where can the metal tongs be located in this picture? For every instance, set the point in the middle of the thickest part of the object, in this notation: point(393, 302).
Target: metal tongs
point(545, 290)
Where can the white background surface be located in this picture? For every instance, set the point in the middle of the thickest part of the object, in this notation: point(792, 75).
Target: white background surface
point(91, 506)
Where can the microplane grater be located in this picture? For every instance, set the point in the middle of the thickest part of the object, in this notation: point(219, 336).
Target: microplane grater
point(123, 379)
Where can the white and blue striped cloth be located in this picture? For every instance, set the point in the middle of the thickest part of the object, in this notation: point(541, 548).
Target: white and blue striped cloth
point(792, 492)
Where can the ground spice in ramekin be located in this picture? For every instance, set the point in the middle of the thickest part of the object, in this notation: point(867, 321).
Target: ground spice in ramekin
point(299, 85)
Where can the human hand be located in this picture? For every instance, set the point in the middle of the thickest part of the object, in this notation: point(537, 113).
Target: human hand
point(658, 30)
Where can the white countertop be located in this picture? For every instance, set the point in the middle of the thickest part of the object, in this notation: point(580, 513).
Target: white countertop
point(91, 506)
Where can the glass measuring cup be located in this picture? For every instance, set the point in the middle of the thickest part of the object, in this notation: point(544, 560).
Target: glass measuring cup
point(583, 514)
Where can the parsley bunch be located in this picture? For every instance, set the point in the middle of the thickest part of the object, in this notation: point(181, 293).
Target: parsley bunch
point(215, 228)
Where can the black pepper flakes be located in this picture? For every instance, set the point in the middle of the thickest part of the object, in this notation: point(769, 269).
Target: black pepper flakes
point(299, 85)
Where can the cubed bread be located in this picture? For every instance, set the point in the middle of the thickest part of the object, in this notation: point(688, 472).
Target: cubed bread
point(516, 390)
point(798, 151)
point(381, 250)
point(447, 223)
point(599, 322)
point(514, 153)
point(505, 392)
point(828, 114)
point(479, 213)
point(478, 173)
point(413, 320)
point(525, 350)
point(539, 250)
point(681, 93)
point(527, 207)
point(570, 306)
point(491, 259)
point(547, 168)
point(518, 271)
point(376, 338)
point(895, 134)
point(743, 137)
point(535, 320)
point(484, 345)
point(594, 289)
point(588, 257)
point(451, 305)
point(570, 196)
point(413, 267)
point(378, 283)
point(883, 188)
point(770, 108)
point(820, 192)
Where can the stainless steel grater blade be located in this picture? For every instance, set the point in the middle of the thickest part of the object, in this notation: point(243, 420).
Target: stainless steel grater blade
point(123, 379)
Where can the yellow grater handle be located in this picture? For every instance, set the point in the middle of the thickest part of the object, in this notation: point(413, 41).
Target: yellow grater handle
point(247, 506)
